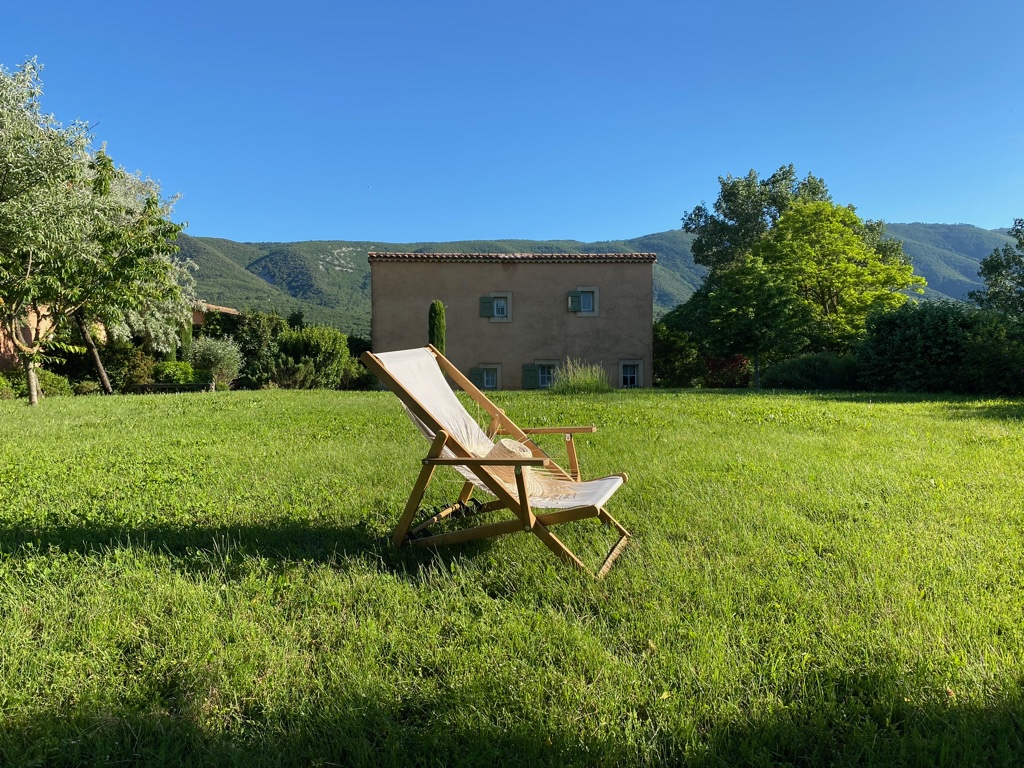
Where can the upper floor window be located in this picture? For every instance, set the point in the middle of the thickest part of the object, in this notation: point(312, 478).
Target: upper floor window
point(584, 301)
point(497, 306)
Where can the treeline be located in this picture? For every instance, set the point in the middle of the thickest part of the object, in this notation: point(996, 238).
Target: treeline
point(803, 294)
point(254, 350)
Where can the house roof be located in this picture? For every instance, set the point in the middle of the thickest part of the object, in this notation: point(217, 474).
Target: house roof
point(503, 258)
point(203, 306)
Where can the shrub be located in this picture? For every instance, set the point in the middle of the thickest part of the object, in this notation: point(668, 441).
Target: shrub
point(86, 388)
point(943, 346)
point(727, 372)
point(578, 378)
point(50, 384)
point(136, 368)
point(6, 391)
point(821, 370)
point(257, 340)
point(314, 357)
point(362, 378)
point(677, 360)
point(221, 357)
point(173, 373)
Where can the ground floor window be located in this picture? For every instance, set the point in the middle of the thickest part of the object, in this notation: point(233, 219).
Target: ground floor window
point(631, 374)
point(540, 374)
point(545, 375)
point(486, 376)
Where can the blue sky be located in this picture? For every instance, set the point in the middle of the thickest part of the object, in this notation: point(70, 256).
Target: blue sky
point(399, 121)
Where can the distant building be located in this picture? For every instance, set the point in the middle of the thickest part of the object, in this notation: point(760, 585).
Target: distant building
point(201, 309)
point(8, 352)
point(8, 355)
point(513, 318)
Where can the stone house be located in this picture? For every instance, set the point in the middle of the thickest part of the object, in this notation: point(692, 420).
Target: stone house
point(512, 319)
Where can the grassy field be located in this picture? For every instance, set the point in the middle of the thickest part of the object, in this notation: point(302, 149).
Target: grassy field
point(206, 579)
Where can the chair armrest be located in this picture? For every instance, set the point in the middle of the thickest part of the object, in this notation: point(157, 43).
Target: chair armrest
point(531, 462)
point(553, 430)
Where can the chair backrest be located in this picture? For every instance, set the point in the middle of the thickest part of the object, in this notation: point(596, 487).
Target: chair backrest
point(422, 387)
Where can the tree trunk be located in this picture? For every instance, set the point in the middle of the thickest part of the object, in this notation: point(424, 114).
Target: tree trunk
point(94, 353)
point(757, 370)
point(32, 381)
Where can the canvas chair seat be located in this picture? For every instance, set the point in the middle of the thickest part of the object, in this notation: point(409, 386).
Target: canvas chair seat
point(515, 470)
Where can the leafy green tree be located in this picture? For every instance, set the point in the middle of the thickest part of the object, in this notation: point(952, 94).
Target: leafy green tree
point(44, 216)
point(1003, 274)
point(840, 274)
point(135, 287)
point(757, 312)
point(746, 209)
point(257, 337)
point(80, 241)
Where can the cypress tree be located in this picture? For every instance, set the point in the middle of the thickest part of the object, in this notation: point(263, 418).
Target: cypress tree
point(435, 325)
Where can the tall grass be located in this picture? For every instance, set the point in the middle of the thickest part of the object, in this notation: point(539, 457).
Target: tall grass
point(206, 580)
point(574, 377)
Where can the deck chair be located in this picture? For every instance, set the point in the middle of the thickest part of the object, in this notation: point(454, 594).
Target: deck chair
point(515, 470)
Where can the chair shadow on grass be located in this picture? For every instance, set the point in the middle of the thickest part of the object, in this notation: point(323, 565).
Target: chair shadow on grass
point(451, 725)
point(205, 548)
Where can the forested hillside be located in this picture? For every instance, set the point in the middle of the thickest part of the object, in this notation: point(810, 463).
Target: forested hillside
point(329, 281)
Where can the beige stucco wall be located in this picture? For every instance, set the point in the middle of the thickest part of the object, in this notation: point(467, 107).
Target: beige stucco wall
point(8, 356)
point(541, 327)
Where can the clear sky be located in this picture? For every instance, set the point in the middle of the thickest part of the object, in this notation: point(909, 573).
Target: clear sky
point(405, 120)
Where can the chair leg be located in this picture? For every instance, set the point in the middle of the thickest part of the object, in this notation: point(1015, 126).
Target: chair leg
point(613, 555)
point(412, 505)
point(555, 544)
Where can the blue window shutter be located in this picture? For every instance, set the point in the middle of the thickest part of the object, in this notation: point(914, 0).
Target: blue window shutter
point(531, 376)
point(486, 306)
point(575, 301)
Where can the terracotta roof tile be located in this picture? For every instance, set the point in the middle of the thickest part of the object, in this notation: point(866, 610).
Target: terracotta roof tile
point(533, 258)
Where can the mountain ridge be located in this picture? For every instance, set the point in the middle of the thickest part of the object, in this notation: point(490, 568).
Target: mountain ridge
point(329, 280)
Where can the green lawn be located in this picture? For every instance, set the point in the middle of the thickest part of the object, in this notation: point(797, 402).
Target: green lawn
point(206, 579)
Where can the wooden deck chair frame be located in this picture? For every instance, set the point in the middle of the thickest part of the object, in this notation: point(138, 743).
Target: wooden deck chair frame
point(524, 517)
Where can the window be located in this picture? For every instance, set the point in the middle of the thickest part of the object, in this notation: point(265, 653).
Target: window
point(584, 301)
point(631, 374)
point(486, 376)
point(540, 374)
point(497, 306)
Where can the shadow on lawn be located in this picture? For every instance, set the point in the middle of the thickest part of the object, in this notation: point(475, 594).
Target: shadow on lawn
point(202, 549)
point(357, 733)
point(908, 736)
point(454, 727)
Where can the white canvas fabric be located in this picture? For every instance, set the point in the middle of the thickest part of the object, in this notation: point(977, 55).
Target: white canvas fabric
point(419, 374)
